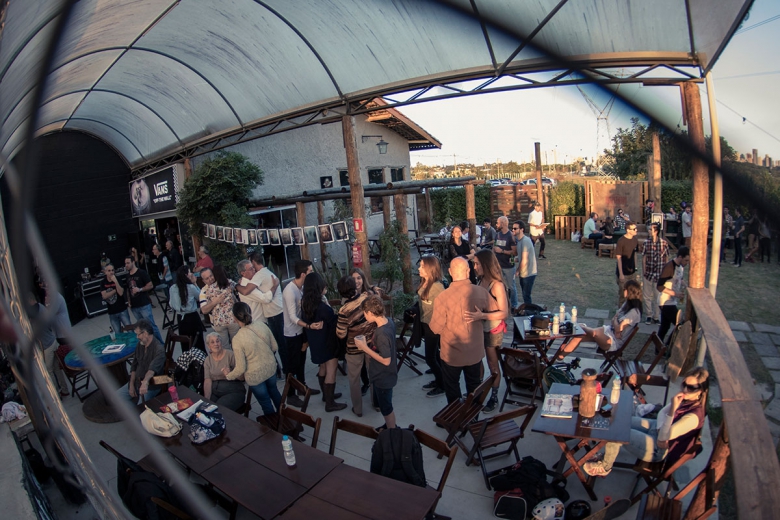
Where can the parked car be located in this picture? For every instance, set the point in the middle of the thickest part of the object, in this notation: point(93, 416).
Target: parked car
point(546, 181)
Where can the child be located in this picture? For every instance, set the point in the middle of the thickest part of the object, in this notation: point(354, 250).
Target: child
point(382, 369)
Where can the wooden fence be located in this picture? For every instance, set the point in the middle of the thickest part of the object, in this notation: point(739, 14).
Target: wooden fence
point(565, 225)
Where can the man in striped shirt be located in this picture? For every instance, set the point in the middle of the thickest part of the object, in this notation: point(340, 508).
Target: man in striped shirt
point(655, 256)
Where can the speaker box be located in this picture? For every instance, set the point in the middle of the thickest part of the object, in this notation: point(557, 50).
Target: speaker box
point(94, 304)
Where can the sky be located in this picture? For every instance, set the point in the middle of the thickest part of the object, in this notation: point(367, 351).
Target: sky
point(502, 127)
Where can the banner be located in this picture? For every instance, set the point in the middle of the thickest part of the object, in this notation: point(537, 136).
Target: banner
point(155, 193)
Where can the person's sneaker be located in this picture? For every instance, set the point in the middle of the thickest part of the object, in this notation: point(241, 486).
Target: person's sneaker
point(491, 405)
point(430, 386)
point(436, 392)
point(542, 256)
point(656, 322)
point(648, 321)
point(364, 390)
point(596, 469)
point(294, 400)
point(429, 372)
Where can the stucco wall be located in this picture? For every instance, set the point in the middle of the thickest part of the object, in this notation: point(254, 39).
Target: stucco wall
point(294, 161)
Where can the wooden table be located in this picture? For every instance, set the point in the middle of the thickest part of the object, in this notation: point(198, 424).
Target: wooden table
point(543, 343)
point(589, 439)
point(247, 465)
point(96, 407)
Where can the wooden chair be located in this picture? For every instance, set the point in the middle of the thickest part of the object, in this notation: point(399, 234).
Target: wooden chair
point(610, 358)
point(495, 431)
point(78, 379)
point(293, 416)
point(171, 339)
point(404, 350)
point(352, 427)
point(279, 423)
point(442, 450)
point(682, 344)
point(627, 368)
point(521, 369)
point(456, 416)
point(128, 328)
point(245, 408)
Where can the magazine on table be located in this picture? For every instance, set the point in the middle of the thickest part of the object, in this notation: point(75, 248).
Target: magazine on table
point(557, 406)
point(113, 349)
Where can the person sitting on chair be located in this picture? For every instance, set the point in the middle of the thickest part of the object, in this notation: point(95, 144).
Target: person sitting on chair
point(668, 437)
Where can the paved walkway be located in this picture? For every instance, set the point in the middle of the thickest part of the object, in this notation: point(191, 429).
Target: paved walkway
point(761, 338)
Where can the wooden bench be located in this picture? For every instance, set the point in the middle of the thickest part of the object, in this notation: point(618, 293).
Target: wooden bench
point(606, 250)
point(587, 243)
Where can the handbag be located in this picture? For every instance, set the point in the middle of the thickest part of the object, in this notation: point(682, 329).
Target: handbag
point(160, 424)
point(205, 425)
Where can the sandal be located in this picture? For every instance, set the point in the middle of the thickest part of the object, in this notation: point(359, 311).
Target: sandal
point(596, 469)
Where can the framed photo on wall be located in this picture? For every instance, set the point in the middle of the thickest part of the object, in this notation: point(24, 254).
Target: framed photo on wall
point(297, 236)
point(285, 235)
point(311, 234)
point(326, 234)
point(251, 237)
point(212, 232)
point(220, 233)
point(205, 229)
point(262, 237)
point(229, 234)
point(238, 235)
point(340, 231)
point(273, 237)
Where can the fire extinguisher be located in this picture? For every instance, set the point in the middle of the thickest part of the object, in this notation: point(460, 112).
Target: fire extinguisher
point(357, 255)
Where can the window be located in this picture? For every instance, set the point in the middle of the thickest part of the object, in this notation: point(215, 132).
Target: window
point(344, 177)
point(396, 174)
point(376, 176)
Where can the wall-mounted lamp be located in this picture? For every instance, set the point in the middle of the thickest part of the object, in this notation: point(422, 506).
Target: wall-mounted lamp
point(382, 145)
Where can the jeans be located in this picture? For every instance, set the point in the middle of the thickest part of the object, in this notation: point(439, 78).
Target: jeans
point(119, 319)
point(509, 283)
point(151, 393)
point(432, 357)
point(145, 313)
point(650, 299)
point(268, 395)
point(527, 285)
point(226, 333)
point(451, 379)
point(738, 250)
point(643, 443)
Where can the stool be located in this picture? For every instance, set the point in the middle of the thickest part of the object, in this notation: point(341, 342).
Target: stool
point(587, 243)
point(606, 250)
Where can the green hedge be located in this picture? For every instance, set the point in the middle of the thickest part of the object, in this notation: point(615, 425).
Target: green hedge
point(450, 203)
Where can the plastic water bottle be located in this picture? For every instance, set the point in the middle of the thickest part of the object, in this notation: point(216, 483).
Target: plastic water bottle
point(289, 454)
point(614, 397)
point(562, 312)
point(556, 324)
point(574, 314)
point(111, 333)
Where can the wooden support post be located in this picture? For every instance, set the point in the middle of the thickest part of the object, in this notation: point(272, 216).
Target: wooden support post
point(355, 183)
point(300, 209)
point(471, 215)
point(718, 464)
point(655, 191)
point(429, 210)
point(323, 247)
point(701, 188)
point(400, 215)
point(539, 187)
point(196, 242)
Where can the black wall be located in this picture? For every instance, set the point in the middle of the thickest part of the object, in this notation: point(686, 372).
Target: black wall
point(82, 198)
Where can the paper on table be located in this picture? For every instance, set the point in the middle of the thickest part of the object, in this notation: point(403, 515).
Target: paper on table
point(110, 349)
point(184, 415)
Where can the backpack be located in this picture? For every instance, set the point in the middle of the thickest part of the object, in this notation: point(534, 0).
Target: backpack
point(137, 487)
point(526, 481)
point(555, 375)
point(397, 454)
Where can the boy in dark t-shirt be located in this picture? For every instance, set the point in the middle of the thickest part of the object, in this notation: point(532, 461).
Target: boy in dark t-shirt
point(382, 369)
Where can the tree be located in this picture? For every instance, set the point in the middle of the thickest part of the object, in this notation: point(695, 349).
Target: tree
point(218, 193)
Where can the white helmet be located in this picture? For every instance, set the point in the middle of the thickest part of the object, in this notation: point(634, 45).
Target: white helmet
point(550, 509)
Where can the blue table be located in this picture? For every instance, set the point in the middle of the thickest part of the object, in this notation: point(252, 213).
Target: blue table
point(115, 362)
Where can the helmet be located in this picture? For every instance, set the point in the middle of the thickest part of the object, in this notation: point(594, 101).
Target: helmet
point(577, 510)
point(550, 509)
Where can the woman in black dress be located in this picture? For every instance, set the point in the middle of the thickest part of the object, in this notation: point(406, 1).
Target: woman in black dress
point(322, 342)
point(460, 247)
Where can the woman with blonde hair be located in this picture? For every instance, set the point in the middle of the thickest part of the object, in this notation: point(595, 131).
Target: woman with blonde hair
point(490, 277)
point(668, 437)
point(430, 287)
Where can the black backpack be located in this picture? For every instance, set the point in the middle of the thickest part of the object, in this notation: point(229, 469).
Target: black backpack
point(136, 488)
point(530, 477)
point(397, 454)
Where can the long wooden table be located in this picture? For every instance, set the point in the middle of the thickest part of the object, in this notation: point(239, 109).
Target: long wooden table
point(589, 439)
point(247, 465)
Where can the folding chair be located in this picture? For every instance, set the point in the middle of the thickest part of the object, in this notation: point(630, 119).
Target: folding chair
point(610, 358)
point(353, 427)
point(171, 339)
point(627, 368)
point(495, 431)
point(442, 450)
point(520, 368)
point(424, 248)
point(457, 416)
point(681, 344)
point(404, 349)
point(78, 379)
point(169, 315)
point(245, 408)
point(300, 419)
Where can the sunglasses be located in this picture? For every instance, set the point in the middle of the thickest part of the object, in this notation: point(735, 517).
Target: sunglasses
point(690, 388)
point(515, 227)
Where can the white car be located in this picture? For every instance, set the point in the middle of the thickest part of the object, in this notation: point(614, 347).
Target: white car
point(546, 181)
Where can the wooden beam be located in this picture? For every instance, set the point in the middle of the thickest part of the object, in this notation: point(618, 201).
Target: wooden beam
point(539, 187)
point(323, 247)
point(400, 215)
point(300, 209)
point(429, 210)
point(471, 214)
point(656, 176)
point(701, 188)
point(355, 183)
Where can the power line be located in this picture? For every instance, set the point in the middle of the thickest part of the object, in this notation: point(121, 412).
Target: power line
point(759, 24)
point(745, 119)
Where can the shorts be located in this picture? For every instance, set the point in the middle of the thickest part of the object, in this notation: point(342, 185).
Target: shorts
point(384, 398)
point(614, 344)
point(493, 340)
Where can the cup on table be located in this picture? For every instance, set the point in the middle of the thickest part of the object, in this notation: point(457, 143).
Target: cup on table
point(599, 399)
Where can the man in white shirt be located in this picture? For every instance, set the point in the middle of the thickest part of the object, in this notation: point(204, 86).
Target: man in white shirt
point(526, 261)
point(535, 221)
point(294, 337)
point(687, 224)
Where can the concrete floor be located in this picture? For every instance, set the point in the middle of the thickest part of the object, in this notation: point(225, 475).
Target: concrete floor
point(465, 495)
